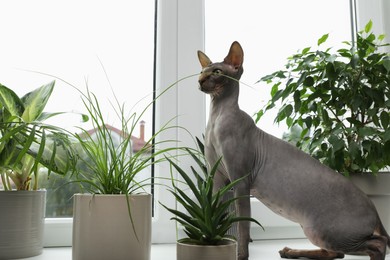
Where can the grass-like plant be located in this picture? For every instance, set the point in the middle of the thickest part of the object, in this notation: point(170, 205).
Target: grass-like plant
point(107, 165)
point(342, 99)
point(27, 144)
point(207, 218)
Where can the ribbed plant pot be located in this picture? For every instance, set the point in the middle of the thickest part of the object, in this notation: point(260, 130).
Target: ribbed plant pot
point(102, 227)
point(22, 221)
point(227, 251)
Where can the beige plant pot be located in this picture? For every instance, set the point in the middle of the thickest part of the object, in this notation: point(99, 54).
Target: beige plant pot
point(22, 221)
point(102, 228)
point(227, 251)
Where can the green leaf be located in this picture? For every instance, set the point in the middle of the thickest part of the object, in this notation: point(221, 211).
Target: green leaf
point(259, 115)
point(308, 82)
point(306, 50)
point(336, 142)
point(330, 71)
point(354, 149)
point(385, 118)
point(381, 37)
point(325, 116)
point(386, 135)
point(297, 100)
point(308, 122)
point(386, 64)
point(366, 131)
point(286, 111)
point(322, 39)
point(275, 88)
point(370, 38)
point(309, 59)
point(35, 101)
point(368, 27)
point(11, 101)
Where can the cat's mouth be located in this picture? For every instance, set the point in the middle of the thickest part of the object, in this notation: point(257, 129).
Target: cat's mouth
point(213, 91)
point(203, 88)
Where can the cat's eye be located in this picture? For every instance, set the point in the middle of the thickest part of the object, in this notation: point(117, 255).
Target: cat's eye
point(217, 71)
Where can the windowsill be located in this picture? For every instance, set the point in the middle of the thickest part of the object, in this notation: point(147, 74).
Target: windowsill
point(264, 249)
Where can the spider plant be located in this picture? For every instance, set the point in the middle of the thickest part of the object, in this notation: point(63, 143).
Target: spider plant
point(107, 165)
point(208, 219)
point(27, 144)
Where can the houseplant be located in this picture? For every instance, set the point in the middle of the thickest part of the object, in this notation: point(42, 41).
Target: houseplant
point(340, 101)
point(342, 98)
point(112, 221)
point(207, 219)
point(27, 145)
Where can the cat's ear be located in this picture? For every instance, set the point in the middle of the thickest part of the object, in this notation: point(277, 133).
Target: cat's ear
point(203, 59)
point(235, 56)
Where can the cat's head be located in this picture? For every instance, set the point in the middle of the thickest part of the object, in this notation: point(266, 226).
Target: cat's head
point(217, 76)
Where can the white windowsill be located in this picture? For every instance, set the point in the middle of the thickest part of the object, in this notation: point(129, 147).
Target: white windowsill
point(261, 249)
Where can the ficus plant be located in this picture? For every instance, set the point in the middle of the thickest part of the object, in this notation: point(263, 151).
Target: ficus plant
point(340, 100)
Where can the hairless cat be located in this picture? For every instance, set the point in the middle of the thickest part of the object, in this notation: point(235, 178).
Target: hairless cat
point(334, 214)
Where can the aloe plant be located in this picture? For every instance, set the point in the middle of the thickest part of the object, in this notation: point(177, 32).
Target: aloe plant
point(27, 144)
point(207, 218)
point(341, 98)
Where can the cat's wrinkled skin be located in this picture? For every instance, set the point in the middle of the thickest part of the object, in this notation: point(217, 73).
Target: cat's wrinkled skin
point(334, 214)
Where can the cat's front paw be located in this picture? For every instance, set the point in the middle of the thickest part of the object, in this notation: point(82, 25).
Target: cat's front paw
point(243, 256)
point(284, 253)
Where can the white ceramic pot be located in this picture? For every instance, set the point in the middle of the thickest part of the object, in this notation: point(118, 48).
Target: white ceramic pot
point(102, 228)
point(228, 251)
point(22, 221)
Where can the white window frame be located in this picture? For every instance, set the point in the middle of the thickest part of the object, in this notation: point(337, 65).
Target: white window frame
point(378, 12)
point(180, 33)
point(179, 36)
point(277, 227)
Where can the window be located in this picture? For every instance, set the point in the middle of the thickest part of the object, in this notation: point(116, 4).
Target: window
point(180, 33)
point(99, 44)
point(73, 40)
point(269, 32)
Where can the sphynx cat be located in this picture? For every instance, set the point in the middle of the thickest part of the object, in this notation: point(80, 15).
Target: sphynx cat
point(334, 214)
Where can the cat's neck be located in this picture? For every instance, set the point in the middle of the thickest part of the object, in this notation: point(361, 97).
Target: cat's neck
point(228, 99)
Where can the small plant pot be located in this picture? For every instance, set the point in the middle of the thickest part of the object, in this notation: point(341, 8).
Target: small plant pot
point(103, 229)
point(227, 251)
point(22, 221)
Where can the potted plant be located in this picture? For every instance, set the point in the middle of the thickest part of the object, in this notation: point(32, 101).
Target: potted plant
point(340, 101)
point(207, 218)
point(113, 220)
point(27, 146)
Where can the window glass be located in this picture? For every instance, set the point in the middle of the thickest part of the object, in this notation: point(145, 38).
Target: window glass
point(269, 32)
point(94, 43)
